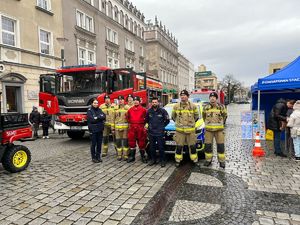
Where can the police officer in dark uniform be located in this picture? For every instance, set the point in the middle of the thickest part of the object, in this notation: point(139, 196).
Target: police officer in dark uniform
point(96, 119)
point(157, 118)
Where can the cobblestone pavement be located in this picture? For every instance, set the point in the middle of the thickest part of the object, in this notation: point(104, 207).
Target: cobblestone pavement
point(63, 186)
point(249, 191)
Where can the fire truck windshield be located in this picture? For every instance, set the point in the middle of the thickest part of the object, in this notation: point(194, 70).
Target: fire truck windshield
point(82, 82)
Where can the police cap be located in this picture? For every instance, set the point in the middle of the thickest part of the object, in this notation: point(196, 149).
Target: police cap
point(184, 92)
point(137, 98)
point(120, 97)
point(214, 94)
point(129, 96)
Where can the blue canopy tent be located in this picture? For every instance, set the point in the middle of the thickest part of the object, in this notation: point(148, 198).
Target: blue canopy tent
point(284, 83)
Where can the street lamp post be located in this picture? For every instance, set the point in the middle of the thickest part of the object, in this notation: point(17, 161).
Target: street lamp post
point(61, 41)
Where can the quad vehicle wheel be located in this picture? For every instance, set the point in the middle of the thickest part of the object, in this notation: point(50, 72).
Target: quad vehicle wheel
point(75, 134)
point(16, 158)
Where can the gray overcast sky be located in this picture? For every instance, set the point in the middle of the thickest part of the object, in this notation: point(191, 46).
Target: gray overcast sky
point(239, 37)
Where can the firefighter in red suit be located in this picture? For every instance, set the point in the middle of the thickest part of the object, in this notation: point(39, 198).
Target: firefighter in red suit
point(137, 133)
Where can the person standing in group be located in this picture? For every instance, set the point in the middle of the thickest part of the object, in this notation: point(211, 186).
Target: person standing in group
point(121, 129)
point(130, 100)
point(294, 123)
point(214, 116)
point(109, 110)
point(137, 133)
point(96, 119)
point(185, 114)
point(45, 121)
point(35, 119)
point(277, 117)
point(157, 118)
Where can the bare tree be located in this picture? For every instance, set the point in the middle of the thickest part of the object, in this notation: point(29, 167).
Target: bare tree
point(230, 86)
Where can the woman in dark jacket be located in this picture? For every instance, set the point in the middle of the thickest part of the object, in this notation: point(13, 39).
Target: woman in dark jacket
point(45, 121)
point(35, 119)
point(96, 119)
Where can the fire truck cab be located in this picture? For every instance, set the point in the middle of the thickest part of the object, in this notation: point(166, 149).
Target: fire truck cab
point(68, 93)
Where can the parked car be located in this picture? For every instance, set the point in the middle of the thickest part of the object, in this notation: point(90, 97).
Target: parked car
point(170, 131)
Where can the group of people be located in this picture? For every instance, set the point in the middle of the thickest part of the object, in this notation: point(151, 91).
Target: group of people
point(36, 119)
point(285, 114)
point(132, 127)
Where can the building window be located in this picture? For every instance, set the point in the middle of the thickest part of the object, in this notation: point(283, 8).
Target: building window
point(45, 42)
point(142, 51)
point(116, 14)
point(8, 28)
point(84, 21)
point(111, 35)
point(142, 66)
point(129, 62)
point(45, 4)
point(112, 59)
point(86, 56)
point(110, 9)
point(129, 45)
point(121, 18)
point(89, 25)
point(91, 2)
point(102, 6)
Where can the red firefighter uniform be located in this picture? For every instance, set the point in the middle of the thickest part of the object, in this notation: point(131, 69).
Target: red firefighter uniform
point(137, 132)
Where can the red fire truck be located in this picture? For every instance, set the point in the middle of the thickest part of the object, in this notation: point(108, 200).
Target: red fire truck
point(202, 95)
point(68, 93)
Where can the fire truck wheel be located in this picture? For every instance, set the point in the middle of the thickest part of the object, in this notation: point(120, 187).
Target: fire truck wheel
point(16, 158)
point(75, 134)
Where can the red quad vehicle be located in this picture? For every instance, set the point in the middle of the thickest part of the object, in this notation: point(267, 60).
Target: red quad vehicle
point(14, 127)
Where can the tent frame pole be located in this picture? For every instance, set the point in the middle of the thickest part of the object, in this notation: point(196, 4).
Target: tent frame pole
point(258, 110)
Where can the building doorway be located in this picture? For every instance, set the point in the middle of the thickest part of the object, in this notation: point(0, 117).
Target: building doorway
point(12, 98)
point(12, 92)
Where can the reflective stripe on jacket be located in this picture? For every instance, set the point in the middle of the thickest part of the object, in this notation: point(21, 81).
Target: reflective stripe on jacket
point(109, 111)
point(185, 115)
point(214, 117)
point(121, 117)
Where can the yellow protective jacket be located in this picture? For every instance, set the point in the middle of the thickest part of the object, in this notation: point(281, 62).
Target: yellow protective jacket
point(121, 122)
point(214, 117)
point(130, 105)
point(185, 116)
point(109, 111)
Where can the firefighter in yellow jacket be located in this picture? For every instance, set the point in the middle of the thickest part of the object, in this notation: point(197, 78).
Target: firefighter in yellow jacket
point(185, 114)
point(214, 116)
point(130, 102)
point(121, 129)
point(109, 111)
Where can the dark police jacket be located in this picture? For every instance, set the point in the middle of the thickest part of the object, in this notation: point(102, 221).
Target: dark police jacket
point(95, 119)
point(157, 120)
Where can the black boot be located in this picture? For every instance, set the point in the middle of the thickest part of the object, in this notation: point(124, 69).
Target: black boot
point(207, 163)
point(131, 157)
point(143, 156)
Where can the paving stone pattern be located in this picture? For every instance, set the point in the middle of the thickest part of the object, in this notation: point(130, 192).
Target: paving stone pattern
point(67, 188)
point(269, 218)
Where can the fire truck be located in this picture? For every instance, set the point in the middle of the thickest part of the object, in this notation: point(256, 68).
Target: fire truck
point(68, 93)
point(202, 95)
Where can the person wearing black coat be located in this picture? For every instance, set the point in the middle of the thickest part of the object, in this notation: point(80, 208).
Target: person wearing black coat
point(96, 119)
point(276, 118)
point(157, 118)
point(35, 119)
point(45, 121)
